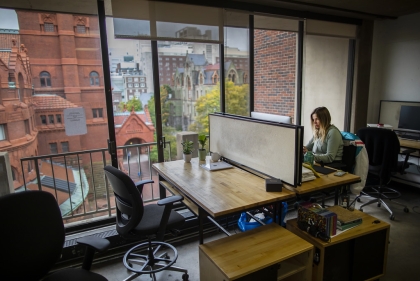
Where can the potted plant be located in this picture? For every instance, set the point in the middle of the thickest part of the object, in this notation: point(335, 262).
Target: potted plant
point(202, 139)
point(187, 147)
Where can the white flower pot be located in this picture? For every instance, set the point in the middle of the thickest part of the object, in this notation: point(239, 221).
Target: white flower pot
point(187, 157)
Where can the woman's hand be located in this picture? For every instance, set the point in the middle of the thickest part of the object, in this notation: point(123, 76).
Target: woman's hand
point(304, 150)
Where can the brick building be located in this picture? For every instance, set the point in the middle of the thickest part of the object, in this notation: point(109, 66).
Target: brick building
point(18, 135)
point(275, 72)
point(65, 62)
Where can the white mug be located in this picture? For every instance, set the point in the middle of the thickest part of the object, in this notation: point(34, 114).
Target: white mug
point(215, 156)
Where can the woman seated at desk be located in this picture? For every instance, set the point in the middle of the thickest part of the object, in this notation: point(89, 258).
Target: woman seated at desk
point(326, 143)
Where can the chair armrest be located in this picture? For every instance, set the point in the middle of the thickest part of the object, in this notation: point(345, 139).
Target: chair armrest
point(140, 184)
point(408, 151)
point(170, 200)
point(97, 243)
point(92, 243)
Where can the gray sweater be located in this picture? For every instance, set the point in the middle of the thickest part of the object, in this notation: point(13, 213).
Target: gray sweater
point(330, 150)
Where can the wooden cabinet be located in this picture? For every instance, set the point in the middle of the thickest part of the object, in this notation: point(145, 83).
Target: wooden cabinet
point(359, 253)
point(266, 253)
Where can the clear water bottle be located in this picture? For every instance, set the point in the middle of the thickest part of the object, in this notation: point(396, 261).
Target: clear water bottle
point(309, 158)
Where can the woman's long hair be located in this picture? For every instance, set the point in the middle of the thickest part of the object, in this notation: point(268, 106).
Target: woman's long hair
point(324, 118)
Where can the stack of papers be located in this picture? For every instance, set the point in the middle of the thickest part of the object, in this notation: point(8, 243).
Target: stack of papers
point(307, 175)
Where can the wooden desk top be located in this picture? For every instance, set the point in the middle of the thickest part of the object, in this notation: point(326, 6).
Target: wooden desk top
point(325, 181)
point(410, 144)
point(366, 227)
point(250, 251)
point(219, 192)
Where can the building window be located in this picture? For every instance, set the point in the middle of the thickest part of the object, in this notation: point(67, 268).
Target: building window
point(130, 79)
point(45, 79)
point(65, 146)
point(53, 148)
point(136, 85)
point(142, 79)
point(97, 112)
point(43, 120)
point(136, 79)
point(3, 132)
point(50, 119)
point(130, 85)
point(81, 29)
point(58, 118)
point(48, 27)
point(27, 128)
point(94, 78)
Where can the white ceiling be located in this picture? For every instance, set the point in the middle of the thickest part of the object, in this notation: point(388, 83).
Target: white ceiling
point(374, 9)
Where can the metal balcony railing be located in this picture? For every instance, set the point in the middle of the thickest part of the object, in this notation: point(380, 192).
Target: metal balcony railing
point(78, 182)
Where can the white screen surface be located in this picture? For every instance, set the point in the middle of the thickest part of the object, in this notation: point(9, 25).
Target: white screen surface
point(271, 117)
point(266, 148)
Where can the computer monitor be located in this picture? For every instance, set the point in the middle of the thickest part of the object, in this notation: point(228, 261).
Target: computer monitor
point(271, 117)
point(409, 118)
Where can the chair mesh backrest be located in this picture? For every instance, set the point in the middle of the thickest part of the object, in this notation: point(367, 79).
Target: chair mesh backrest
point(128, 200)
point(382, 146)
point(31, 236)
point(349, 157)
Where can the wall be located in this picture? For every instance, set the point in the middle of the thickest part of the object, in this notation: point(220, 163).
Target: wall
point(325, 77)
point(395, 73)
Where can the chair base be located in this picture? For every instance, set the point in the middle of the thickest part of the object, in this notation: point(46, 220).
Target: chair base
point(379, 194)
point(150, 258)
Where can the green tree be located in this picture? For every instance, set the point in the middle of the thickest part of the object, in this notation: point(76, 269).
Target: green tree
point(168, 132)
point(237, 97)
point(136, 103)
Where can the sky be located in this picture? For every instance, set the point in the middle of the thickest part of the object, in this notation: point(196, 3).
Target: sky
point(8, 19)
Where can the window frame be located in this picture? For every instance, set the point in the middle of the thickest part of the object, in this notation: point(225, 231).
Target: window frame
point(94, 79)
point(45, 79)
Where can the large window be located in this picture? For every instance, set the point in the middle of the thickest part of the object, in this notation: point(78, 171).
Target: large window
point(45, 79)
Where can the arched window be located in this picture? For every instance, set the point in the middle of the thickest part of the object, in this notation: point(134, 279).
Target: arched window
point(21, 91)
point(45, 79)
point(232, 76)
point(245, 78)
point(201, 79)
point(189, 82)
point(94, 78)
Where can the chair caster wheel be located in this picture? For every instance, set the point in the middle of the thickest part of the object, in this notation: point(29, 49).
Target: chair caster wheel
point(361, 210)
point(379, 204)
point(358, 200)
point(406, 210)
point(185, 277)
point(392, 217)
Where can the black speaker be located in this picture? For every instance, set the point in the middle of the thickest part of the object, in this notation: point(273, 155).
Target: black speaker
point(273, 185)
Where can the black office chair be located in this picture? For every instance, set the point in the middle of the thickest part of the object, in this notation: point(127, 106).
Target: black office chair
point(32, 238)
point(383, 148)
point(135, 220)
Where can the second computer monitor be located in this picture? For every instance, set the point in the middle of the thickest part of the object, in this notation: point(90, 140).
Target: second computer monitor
point(271, 117)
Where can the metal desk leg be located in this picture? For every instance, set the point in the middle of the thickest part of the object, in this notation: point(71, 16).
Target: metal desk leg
point(201, 216)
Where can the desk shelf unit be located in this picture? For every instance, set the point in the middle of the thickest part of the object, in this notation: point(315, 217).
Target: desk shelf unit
point(269, 253)
point(357, 254)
